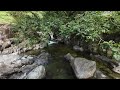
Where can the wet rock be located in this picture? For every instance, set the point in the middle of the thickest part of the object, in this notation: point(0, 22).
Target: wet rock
point(37, 73)
point(109, 62)
point(29, 57)
point(77, 48)
point(116, 69)
point(42, 59)
point(68, 57)
point(27, 68)
point(100, 75)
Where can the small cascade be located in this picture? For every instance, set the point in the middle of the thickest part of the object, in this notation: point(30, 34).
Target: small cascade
point(52, 42)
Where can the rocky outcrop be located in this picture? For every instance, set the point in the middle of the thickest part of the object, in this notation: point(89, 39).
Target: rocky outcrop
point(14, 66)
point(82, 67)
point(20, 48)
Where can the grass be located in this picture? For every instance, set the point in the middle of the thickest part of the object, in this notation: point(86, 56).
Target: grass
point(5, 18)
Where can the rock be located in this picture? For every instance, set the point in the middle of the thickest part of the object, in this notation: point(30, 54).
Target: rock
point(6, 44)
point(27, 68)
point(30, 48)
point(37, 46)
point(100, 75)
point(42, 59)
point(116, 69)
point(8, 58)
point(83, 68)
point(112, 64)
point(77, 48)
point(23, 58)
point(6, 51)
point(4, 68)
point(22, 76)
point(17, 63)
point(25, 49)
point(43, 45)
point(14, 66)
point(37, 73)
point(105, 60)
point(68, 57)
point(29, 57)
point(27, 61)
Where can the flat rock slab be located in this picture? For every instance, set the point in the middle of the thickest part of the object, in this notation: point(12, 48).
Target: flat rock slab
point(8, 58)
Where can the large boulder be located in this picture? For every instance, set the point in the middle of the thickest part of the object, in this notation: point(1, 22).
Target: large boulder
point(82, 67)
point(37, 73)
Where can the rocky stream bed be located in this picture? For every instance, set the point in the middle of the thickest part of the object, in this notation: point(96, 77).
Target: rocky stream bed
point(57, 61)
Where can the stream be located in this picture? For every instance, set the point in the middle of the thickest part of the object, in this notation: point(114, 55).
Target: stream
point(59, 68)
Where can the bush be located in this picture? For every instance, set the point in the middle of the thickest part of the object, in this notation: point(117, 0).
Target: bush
point(28, 26)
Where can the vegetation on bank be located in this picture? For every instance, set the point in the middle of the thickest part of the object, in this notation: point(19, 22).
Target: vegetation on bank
point(89, 26)
point(5, 18)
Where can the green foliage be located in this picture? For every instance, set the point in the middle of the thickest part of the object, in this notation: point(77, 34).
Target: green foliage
point(114, 47)
point(5, 18)
point(88, 25)
point(28, 26)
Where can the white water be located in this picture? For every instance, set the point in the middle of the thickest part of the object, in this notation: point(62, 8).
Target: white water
point(51, 42)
